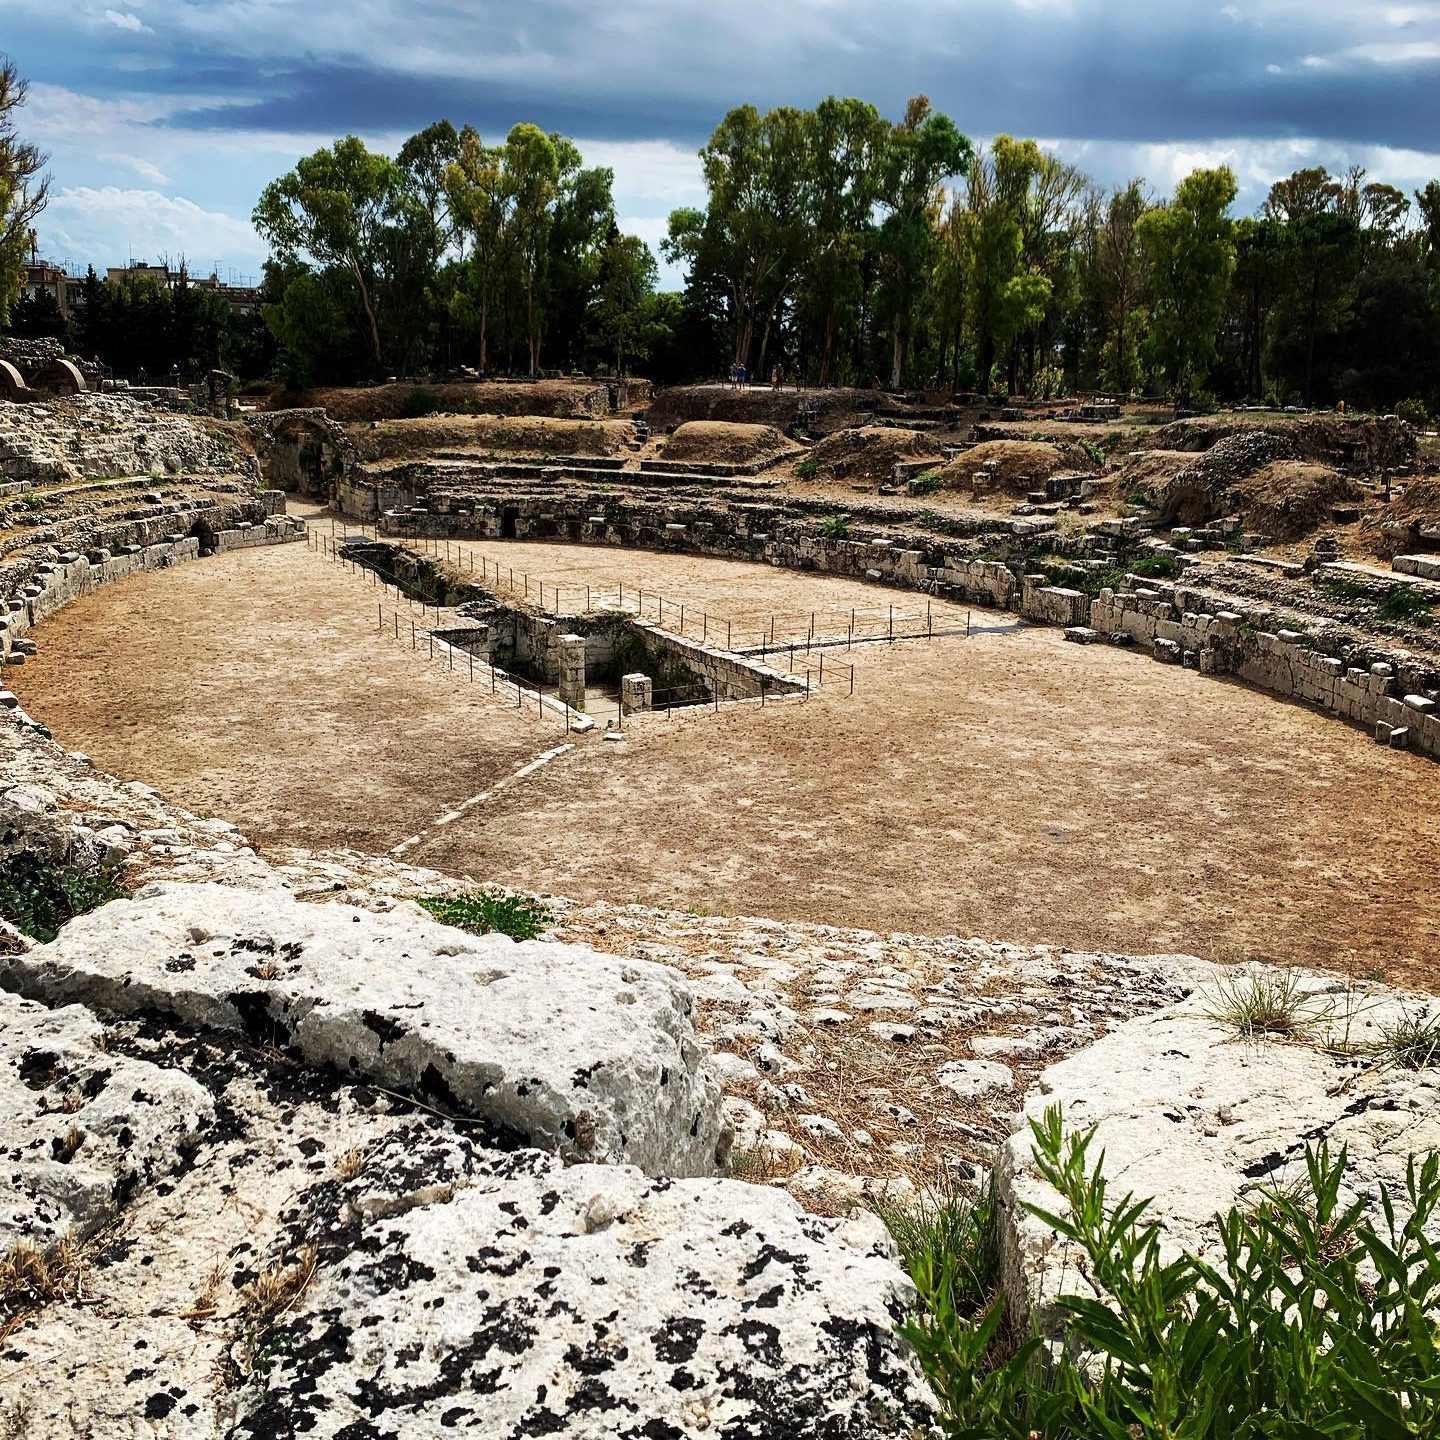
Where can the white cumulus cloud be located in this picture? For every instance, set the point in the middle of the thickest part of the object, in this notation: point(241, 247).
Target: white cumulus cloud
point(84, 220)
point(124, 20)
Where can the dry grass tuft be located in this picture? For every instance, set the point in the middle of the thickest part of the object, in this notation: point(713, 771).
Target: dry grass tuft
point(31, 1277)
point(350, 1163)
point(279, 1287)
point(207, 1302)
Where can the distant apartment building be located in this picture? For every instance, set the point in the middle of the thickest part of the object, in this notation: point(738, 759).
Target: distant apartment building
point(241, 298)
point(45, 277)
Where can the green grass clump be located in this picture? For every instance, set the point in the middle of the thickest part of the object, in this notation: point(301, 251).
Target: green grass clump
point(1255, 1003)
point(835, 527)
point(38, 898)
point(806, 469)
point(517, 916)
point(926, 483)
point(1313, 1321)
point(1405, 603)
point(1412, 1042)
point(1156, 567)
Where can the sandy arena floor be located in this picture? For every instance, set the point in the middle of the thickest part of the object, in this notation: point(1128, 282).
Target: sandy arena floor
point(1010, 786)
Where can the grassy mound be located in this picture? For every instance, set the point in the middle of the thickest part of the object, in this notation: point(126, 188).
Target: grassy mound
point(1020, 465)
point(868, 453)
point(725, 443)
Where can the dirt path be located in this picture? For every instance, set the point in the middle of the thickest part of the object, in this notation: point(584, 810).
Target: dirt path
point(1010, 786)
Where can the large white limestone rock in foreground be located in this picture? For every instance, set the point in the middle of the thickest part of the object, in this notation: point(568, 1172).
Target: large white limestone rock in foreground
point(467, 1292)
point(586, 1054)
point(1191, 1116)
point(81, 1131)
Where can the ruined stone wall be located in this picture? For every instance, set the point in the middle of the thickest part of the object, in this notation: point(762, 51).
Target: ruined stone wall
point(724, 675)
point(1388, 692)
point(1385, 691)
point(763, 533)
point(53, 583)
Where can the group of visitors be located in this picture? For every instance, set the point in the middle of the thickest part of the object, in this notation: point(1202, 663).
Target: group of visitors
point(739, 377)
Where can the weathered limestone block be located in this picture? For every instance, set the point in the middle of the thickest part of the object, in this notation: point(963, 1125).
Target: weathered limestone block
point(635, 693)
point(1196, 1119)
point(80, 1129)
point(587, 1054)
point(569, 651)
point(1054, 604)
point(585, 1302)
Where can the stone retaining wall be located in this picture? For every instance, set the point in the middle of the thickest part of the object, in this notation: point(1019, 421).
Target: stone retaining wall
point(54, 583)
point(761, 533)
point(1382, 690)
point(1390, 693)
point(726, 676)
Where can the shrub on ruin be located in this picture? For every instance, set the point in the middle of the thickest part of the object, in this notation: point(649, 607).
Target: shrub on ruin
point(517, 916)
point(1156, 567)
point(1413, 412)
point(1405, 602)
point(835, 527)
point(1315, 1319)
point(418, 403)
point(38, 897)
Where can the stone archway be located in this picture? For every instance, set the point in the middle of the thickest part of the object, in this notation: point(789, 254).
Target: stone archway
point(58, 377)
point(12, 384)
point(303, 451)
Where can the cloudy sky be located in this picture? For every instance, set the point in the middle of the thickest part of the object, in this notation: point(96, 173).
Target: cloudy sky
point(164, 120)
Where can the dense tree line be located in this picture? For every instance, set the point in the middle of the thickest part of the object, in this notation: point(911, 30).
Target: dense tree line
point(135, 325)
point(455, 253)
point(838, 247)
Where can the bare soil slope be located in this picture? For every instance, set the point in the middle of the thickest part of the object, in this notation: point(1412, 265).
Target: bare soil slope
point(556, 398)
point(1020, 465)
point(516, 434)
point(870, 452)
point(723, 442)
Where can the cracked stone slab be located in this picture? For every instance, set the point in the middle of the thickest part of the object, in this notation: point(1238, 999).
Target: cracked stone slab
point(1196, 1119)
point(82, 1131)
point(583, 1053)
point(464, 1292)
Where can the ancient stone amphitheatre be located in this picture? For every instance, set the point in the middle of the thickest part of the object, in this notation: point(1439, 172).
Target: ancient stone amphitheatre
point(880, 770)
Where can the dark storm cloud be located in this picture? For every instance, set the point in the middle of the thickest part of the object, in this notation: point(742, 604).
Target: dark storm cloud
point(1111, 70)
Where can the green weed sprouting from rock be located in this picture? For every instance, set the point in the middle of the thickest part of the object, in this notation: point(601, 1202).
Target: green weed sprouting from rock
point(1412, 1042)
point(517, 916)
point(1312, 1320)
point(1155, 567)
point(38, 897)
point(1405, 602)
point(835, 527)
point(807, 469)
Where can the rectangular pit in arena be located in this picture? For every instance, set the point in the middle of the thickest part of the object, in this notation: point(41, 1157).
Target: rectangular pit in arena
point(595, 643)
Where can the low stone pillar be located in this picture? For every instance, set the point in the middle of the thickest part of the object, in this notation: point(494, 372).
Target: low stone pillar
point(635, 693)
point(570, 658)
